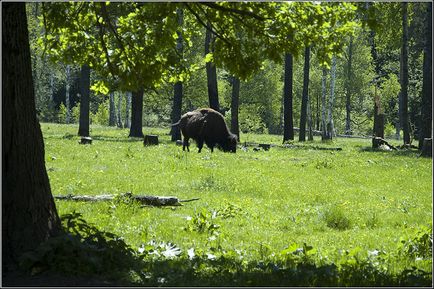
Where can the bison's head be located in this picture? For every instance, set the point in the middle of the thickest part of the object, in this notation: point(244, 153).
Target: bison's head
point(230, 144)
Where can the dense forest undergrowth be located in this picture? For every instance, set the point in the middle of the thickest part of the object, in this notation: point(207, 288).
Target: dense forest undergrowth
point(287, 216)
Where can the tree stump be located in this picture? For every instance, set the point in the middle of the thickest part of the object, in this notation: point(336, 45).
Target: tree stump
point(378, 142)
point(86, 140)
point(427, 148)
point(150, 139)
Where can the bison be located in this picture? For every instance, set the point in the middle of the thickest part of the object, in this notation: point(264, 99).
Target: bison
point(206, 125)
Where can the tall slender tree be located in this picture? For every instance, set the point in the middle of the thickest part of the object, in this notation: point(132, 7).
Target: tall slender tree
point(305, 96)
point(112, 109)
point(323, 104)
point(119, 111)
point(404, 76)
point(178, 87)
point(426, 104)
point(235, 106)
point(67, 93)
point(211, 71)
point(330, 123)
point(288, 124)
point(29, 214)
point(127, 123)
point(348, 88)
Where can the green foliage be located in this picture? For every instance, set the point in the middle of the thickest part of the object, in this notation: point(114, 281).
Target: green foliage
point(335, 218)
point(61, 114)
point(101, 116)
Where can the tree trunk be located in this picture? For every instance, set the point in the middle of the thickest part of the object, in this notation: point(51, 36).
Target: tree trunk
point(309, 121)
point(378, 115)
point(211, 73)
point(112, 109)
point(119, 113)
point(317, 113)
point(348, 89)
point(136, 114)
point(330, 124)
point(177, 89)
point(235, 106)
point(83, 126)
point(404, 77)
point(323, 104)
point(305, 96)
point(127, 109)
point(29, 214)
point(67, 100)
point(288, 124)
point(426, 105)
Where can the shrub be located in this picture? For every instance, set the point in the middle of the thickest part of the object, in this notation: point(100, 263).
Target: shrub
point(336, 219)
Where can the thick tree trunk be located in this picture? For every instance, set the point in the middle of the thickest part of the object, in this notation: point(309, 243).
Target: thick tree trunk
point(426, 106)
point(136, 114)
point(211, 73)
point(288, 124)
point(178, 89)
point(29, 214)
point(305, 96)
point(118, 112)
point(127, 109)
point(235, 106)
point(404, 77)
point(323, 104)
point(67, 96)
point(83, 126)
point(112, 109)
point(348, 89)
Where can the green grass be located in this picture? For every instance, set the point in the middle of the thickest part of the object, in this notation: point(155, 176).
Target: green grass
point(334, 201)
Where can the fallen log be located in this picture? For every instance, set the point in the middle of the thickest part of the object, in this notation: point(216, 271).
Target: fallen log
point(144, 200)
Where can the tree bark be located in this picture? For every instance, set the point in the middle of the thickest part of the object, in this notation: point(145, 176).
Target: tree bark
point(426, 104)
point(127, 109)
point(29, 214)
point(136, 114)
point(235, 106)
point(323, 104)
point(83, 126)
point(309, 121)
point(404, 76)
point(118, 112)
point(178, 87)
point(288, 124)
point(67, 96)
point(211, 73)
point(112, 109)
point(348, 89)
point(378, 115)
point(330, 124)
point(305, 96)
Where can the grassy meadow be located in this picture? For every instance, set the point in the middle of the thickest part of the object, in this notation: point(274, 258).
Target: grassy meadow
point(286, 207)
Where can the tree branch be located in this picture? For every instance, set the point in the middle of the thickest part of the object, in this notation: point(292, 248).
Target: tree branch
point(233, 10)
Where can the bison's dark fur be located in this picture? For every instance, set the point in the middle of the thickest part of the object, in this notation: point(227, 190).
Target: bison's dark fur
point(208, 126)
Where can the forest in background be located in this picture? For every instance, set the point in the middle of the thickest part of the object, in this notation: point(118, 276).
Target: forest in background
point(357, 79)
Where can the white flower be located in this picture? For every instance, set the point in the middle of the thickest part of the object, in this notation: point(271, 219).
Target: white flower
point(190, 253)
point(211, 256)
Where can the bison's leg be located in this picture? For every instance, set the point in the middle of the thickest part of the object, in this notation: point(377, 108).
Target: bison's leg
point(185, 144)
point(200, 144)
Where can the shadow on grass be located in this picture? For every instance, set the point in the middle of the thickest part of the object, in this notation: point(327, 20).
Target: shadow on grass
point(400, 152)
point(86, 256)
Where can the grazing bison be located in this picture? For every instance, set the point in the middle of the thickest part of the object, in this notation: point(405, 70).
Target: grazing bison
point(206, 125)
